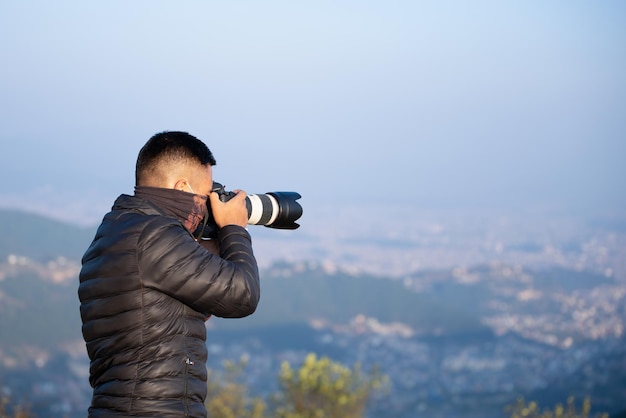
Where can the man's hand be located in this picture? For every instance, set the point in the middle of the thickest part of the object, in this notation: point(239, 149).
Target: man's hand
point(233, 212)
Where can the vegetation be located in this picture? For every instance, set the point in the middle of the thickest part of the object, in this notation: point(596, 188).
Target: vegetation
point(227, 397)
point(320, 388)
point(531, 410)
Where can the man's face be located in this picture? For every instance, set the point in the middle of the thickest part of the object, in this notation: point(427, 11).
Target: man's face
point(201, 179)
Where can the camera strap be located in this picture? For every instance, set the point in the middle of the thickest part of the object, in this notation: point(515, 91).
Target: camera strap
point(200, 228)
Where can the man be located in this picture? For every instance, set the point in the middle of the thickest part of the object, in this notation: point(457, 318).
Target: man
point(147, 286)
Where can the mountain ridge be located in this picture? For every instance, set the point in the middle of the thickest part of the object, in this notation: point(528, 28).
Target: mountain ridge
point(40, 237)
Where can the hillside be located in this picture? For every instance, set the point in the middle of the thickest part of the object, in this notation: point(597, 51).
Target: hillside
point(482, 334)
point(297, 294)
point(36, 310)
point(41, 238)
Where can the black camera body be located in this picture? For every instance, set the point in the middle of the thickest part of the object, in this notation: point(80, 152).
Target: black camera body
point(277, 210)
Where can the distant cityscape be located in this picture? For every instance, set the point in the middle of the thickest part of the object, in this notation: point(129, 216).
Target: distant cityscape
point(551, 336)
point(395, 241)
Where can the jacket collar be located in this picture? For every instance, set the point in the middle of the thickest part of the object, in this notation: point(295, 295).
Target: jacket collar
point(128, 202)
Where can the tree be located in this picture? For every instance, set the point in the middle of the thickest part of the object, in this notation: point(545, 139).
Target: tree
point(532, 410)
point(228, 398)
point(321, 388)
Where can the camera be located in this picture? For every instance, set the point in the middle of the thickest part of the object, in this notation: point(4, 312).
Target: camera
point(278, 210)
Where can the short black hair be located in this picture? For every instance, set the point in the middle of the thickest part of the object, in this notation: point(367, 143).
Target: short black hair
point(171, 146)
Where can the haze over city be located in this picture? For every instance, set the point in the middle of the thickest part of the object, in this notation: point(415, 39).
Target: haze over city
point(431, 104)
point(461, 166)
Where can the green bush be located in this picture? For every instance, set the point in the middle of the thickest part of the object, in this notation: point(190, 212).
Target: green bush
point(532, 410)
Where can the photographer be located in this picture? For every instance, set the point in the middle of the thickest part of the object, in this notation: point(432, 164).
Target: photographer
point(147, 286)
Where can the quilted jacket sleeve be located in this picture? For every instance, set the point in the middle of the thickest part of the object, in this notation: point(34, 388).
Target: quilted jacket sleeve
point(171, 261)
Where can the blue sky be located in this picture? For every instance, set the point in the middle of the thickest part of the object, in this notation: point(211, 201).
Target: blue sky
point(447, 103)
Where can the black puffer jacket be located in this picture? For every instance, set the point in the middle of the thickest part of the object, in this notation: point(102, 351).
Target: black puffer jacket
point(146, 289)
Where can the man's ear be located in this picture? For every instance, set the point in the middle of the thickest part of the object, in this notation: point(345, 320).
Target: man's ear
point(181, 184)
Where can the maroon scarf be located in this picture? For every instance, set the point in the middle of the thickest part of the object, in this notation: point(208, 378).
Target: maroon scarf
point(188, 208)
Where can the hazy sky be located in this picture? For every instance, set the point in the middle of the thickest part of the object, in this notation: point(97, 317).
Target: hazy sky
point(457, 103)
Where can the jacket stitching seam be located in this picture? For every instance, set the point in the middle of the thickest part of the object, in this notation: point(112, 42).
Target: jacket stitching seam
point(142, 287)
